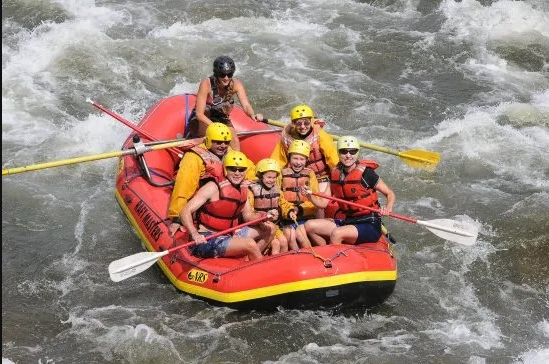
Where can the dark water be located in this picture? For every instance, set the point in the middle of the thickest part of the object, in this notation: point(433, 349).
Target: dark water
point(468, 79)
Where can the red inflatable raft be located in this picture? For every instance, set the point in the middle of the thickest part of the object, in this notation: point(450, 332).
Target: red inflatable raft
point(316, 278)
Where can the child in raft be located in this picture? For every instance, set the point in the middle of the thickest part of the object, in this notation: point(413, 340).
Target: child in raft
point(265, 195)
point(297, 183)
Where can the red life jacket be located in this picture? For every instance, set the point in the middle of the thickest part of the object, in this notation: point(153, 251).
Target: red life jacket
point(350, 188)
point(316, 160)
point(223, 213)
point(213, 166)
point(291, 181)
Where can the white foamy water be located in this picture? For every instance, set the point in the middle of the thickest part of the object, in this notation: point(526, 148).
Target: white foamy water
point(464, 78)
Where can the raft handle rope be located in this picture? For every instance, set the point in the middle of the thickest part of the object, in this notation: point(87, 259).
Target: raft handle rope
point(327, 262)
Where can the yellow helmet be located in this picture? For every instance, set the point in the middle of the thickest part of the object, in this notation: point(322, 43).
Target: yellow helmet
point(301, 111)
point(300, 147)
point(234, 158)
point(266, 165)
point(217, 131)
point(348, 142)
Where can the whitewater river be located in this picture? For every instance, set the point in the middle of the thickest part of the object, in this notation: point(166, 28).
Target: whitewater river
point(468, 79)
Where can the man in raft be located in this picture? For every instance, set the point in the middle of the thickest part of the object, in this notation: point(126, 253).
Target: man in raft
point(323, 156)
point(201, 164)
point(218, 205)
point(353, 181)
point(297, 181)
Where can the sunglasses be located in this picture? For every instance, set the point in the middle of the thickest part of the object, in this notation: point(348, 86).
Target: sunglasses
point(223, 75)
point(236, 169)
point(302, 123)
point(226, 142)
point(345, 151)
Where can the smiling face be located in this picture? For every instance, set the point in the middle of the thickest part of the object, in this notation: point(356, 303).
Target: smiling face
point(235, 175)
point(219, 148)
point(347, 158)
point(302, 126)
point(297, 162)
point(269, 179)
point(224, 78)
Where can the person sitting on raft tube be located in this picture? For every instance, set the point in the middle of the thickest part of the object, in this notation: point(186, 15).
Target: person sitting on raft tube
point(265, 195)
point(297, 183)
point(199, 165)
point(353, 181)
point(215, 100)
point(218, 206)
point(323, 157)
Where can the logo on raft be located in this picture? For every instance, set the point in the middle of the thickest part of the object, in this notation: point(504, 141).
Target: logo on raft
point(148, 220)
point(197, 276)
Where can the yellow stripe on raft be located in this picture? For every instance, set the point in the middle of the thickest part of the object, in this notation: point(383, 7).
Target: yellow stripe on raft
point(324, 282)
point(281, 288)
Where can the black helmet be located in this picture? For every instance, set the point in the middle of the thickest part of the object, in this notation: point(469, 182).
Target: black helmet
point(223, 64)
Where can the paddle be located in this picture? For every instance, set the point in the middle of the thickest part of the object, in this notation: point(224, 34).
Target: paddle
point(146, 148)
point(135, 128)
point(134, 264)
point(452, 230)
point(131, 125)
point(414, 157)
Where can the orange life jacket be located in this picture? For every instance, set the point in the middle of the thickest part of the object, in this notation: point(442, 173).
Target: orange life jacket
point(316, 160)
point(223, 213)
point(291, 181)
point(213, 166)
point(350, 188)
point(265, 200)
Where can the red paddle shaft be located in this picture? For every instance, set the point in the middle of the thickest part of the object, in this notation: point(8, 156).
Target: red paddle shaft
point(134, 127)
point(223, 232)
point(401, 217)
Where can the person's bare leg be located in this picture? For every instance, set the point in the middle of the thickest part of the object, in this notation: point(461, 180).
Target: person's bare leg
point(289, 232)
point(275, 246)
point(301, 237)
point(243, 246)
point(319, 230)
point(283, 243)
point(344, 235)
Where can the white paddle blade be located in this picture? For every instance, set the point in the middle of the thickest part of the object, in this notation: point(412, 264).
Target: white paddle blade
point(134, 264)
point(457, 231)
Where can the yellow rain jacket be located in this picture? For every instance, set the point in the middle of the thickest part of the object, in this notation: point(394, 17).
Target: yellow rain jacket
point(191, 169)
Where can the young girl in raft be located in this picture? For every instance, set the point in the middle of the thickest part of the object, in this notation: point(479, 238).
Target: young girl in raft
point(297, 183)
point(265, 195)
